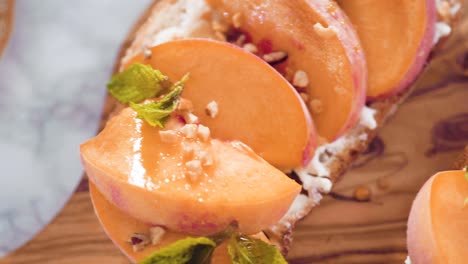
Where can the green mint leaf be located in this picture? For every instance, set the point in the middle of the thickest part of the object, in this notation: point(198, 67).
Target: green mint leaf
point(156, 113)
point(466, 173)
point(136, 84)
point(230, 231)
point(174, 93)
point(247, 250)
point(152, 113)
point(188, 250)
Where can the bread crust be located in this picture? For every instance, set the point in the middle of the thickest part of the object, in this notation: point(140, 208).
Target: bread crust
point(462, 160)
point(337, 164)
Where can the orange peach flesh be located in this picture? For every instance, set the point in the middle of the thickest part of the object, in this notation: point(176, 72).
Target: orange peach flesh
point(256, 104)
point(393, 35)
point(438, 222)
point(119, 227)
point(334, 63)
point(146, 178)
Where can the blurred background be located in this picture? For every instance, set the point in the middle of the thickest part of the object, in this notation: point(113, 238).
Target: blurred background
point(52, 74)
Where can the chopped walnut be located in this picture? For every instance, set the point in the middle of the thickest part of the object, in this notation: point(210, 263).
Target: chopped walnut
point(185, 105)
point(325, 32)
point(275, 57)
point(300, 79)
point(219, 27)
point(237, 20)
point(147, 53)
point(190, 118)
point(205, 158)
point(316, 106)
point(139, 241)
point(212, 109)
point(193, 169)
point(203, 132)
point(304, 97)
point(189, 131)
point(249, 47)
point(168, 136)
point(156, 234)
point(187, 149)
point(241, 40)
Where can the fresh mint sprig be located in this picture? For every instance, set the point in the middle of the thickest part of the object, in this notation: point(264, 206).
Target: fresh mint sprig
point(248, 250)
point(241, 248)
point(157, 112)
point(141, 82)
point(189, 250)
point(136, 83)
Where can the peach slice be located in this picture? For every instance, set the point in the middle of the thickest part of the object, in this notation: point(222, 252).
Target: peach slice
point(438, 222)
point(152, 180)
point(397, 37)
point(256, 104)
point(319, 40)
point(119, 227)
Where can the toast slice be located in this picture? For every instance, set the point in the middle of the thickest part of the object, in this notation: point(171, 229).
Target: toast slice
point(167, 20)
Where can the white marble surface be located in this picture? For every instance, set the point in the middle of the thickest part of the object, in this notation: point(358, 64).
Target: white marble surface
point(52, 79)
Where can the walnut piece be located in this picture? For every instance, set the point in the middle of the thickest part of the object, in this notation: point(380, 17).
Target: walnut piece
point(189, 131)
point(300, 79)
point(203, 132)
point(185, 105)
point(156, 234)
point(316, 106)
point(250, 47)
point(190, 118)
point(168, 136)
point(212, 109)
point(194, 170)
point(275, 57)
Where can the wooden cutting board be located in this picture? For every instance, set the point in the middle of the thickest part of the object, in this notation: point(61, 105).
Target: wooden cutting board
point(6, 20)
point(425, 136)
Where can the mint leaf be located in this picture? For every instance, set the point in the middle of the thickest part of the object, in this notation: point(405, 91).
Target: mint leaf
point(189, 250)
point(230, 231)
point(156, 113)
point(466, 173)
point(247, 250)
point(136, 84)
point(152, 113)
